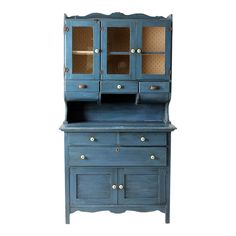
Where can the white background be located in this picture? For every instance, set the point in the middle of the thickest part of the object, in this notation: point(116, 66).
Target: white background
point(202, 107)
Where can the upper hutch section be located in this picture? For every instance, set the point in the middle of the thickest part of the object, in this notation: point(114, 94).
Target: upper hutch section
point(116, 46)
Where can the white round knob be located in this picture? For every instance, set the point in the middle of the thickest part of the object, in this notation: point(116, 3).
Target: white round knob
point(82, 157)
point(119, 86)
point(113, 186)
point(121, 186)
point(142, 139)
point(96, 50)
point(152, 157)
point(139, 50)
point(92, 139)
point(132, 50)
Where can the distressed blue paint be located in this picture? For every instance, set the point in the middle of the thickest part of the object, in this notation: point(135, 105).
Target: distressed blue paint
point(125, 133)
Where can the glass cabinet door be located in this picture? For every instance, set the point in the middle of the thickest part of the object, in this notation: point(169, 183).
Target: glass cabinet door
point(82, 49)
point(117, 56)
point(153, 51)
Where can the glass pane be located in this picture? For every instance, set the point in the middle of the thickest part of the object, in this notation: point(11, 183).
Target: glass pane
point(153, 39)
point(118, 39)
point(82, 50)
point(82, 64)
point(118, 64)
point(153, 64)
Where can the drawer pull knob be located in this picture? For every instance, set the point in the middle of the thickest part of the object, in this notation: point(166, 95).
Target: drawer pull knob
point(121, 186)
point(119, 86)
point(113, 186)
point(132, 50)
point(92, 139)
point(152, 157)
point(82, 86)
point(139, 50)
point(142, 139)
point(82, 157)
point(96, 50)
point(154, 87)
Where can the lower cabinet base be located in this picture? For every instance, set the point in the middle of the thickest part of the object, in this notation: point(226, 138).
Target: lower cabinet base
point(119, 209)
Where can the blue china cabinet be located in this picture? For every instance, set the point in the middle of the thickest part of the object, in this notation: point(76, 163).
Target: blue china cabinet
point(117, 130)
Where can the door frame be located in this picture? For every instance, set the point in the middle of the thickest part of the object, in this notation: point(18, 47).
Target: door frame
point(68, 48)
point(161, 23)
point(117, 23)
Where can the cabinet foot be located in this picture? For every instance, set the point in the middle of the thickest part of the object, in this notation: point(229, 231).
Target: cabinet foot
point(67, 218)
point(167, 215)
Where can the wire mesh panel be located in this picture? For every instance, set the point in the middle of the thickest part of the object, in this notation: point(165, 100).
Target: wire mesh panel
point(153, 50)
point(153, 64)
point(153, 39)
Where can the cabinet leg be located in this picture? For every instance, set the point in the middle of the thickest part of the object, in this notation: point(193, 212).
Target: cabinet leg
point(67, 217)
point(167, 215)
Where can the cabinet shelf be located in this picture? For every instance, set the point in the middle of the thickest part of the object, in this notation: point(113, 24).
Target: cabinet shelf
point(118, 53)
point(153, 52)
point(82, 52)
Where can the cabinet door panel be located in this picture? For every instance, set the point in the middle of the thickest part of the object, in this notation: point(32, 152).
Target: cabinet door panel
point(82, 60)
point(141, 186)
point(117, 41)
point(154, 42)
point(92, 185)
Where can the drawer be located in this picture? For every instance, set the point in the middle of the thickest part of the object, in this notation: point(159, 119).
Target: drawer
point(78, 96)
point(143, 139)
point(76, 90)
point(92, 139)
point(122, 156)
point(154, 87)
point(121, 87)
point(154, 92)
point(81, 86)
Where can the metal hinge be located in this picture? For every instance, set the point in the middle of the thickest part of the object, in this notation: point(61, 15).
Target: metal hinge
point(66, 70)
point(170, 29)
point(66, 28)
point(100, 72)
point(102, 28)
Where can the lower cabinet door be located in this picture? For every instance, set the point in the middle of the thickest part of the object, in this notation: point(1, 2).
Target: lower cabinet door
point(92, 186)
point(141, 186)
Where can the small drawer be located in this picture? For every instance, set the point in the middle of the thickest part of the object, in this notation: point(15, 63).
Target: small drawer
point(154, 92)
point(154, 87)
point(81, 86)
point(92, 139)
point(76, 90)
point(122, 87)
point(143, 139)
point(120, 156)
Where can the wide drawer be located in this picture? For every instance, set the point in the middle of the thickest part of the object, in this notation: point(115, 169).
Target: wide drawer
point(143, 139)
point(122, 87)
point(119, 156)
point(92, 139)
